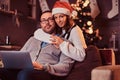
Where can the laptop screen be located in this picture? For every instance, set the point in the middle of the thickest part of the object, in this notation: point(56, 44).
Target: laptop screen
point(16, 59)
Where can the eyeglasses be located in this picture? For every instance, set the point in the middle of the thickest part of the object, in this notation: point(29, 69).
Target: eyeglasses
point(44, 21)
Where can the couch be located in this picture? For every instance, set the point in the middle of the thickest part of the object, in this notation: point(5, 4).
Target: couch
point(82, 70)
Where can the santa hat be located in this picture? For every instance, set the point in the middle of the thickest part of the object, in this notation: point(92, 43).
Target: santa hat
point(62, 7)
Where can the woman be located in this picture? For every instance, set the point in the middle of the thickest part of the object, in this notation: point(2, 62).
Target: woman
point(72, 44)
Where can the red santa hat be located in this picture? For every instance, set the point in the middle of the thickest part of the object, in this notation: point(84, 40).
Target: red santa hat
point(62, 7)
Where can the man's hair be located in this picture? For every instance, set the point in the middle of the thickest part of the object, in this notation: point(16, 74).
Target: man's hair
point(46, 11)
point(43, 13)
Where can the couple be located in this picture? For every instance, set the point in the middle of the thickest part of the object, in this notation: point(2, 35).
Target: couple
point(56, 58)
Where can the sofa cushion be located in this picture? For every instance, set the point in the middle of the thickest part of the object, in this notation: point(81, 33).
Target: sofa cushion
point(109, 72)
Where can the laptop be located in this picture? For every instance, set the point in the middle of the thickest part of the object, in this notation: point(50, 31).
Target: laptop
point(16, 59)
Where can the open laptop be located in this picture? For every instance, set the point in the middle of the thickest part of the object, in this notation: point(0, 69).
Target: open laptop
point(16, 59)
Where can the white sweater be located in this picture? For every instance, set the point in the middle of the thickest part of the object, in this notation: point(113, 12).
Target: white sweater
point(76, 50)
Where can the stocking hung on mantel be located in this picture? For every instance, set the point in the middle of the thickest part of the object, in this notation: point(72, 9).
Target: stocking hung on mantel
point(43, 5)
point(114, 11)
point(94, 8)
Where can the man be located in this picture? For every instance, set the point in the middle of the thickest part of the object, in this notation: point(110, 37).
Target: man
point(47, 59)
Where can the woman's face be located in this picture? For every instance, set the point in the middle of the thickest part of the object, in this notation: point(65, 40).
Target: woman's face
point(60, 19)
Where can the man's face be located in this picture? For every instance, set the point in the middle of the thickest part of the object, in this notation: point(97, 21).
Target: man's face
point(47, 23)
point(60, 19)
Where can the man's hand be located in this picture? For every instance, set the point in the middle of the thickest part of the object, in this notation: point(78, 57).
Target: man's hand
point(37, 66)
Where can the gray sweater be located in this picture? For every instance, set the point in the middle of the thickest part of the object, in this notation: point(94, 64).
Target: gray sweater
point(50, 57)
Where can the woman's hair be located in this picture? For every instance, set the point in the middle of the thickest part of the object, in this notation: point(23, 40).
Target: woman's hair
point(58, 29)
point(68, 24)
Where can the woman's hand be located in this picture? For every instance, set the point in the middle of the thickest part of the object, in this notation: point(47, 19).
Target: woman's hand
point(37, 66)
point(56, 40)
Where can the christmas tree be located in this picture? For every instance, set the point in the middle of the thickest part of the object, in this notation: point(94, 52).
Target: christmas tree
point(82, 16)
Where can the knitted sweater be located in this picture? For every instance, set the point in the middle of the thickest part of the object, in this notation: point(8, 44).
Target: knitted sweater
point(50, 57)
point(75, 46)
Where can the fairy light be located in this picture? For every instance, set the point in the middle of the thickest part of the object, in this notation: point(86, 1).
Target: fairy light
point(89, 23)
point(90, 30)
point(83, 18)
point(86, 3)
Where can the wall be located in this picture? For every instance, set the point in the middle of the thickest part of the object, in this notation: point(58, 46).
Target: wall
point(107, 25)
point(17, 34)
point(27, 27)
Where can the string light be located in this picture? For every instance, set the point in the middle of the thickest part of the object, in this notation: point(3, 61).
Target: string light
point(82, 16)
point(89, 23)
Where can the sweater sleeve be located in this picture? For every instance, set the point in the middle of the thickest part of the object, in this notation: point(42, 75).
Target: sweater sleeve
point(62, 68)
point(76, 50)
